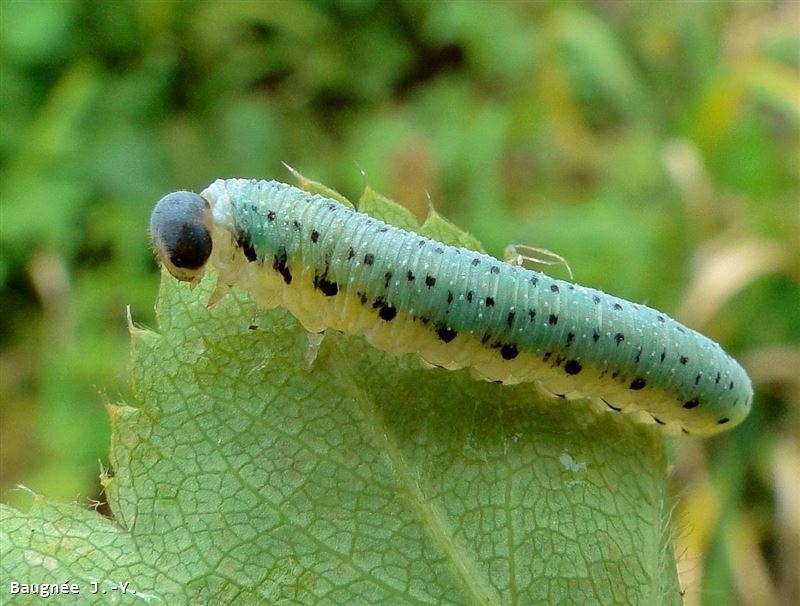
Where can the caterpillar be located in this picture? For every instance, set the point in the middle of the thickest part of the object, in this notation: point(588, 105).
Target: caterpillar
point(334, 267)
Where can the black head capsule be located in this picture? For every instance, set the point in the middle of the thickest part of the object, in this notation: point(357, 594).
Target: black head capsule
point(180, 235)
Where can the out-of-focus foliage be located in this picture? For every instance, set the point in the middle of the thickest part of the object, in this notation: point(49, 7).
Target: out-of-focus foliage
point(654, 145)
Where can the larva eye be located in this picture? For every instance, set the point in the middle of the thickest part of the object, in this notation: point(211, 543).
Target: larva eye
point(180, 235)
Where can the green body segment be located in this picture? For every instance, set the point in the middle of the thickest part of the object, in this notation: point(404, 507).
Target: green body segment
point(334, 267)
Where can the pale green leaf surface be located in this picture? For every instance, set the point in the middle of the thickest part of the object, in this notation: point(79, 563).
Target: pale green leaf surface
point(315, 187)
point(373, 203)
point(242, 476)
point(437, 227)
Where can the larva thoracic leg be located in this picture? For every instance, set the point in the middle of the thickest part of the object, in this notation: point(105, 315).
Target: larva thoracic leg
point(333, 267)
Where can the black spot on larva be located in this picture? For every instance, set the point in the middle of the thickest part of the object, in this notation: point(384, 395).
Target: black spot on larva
point(663, 354)
point(296, 224)
point(489, 301)
point(314, 235)
point(249, 251)
point(270, 215)
point(509, 351)
point(362, 296)
point(718, 377)
point(546, 356)
point(638, 383)
point(534, 281)
point(616, 307)
point(485, 338)
point(615, 374)
point(730, 386)
point(424, 319)
point(476, 262)
point(410, 275)
point(420, 243)
point(449, 297)
point(683, 360)
point(657, 420)
point(279, 265)
point(595, 336)
point(510, 318)
point(445, 333)
point(379, 302)
point(350, 253)
point(532, 314)
point(572, 367)
point(554, 287)
point(438, 250)
point(383, 230)
point(595, 299)
point(325, 286)
point(369, 259)
point(638, 355)
point(560, 395)
point(553, 319)
point(680, 329)
point(430, 281)
point(697, 378)
point(693, 403)
point(612, 407)
point(332, 206)
point(685, 431)
point(660, 318)
point(494, 269)
point(570, 338)
point(387, 277)
point(469, 296)
point(619, 338)
point(723, 420)
point(387, 313)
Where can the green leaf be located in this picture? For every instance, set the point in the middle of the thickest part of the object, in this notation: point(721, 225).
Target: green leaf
point(373, 203)
point(243, 475)
point(439, 228)
point(315, 187)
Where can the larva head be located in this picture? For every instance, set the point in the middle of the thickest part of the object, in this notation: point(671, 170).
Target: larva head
point(180, 234)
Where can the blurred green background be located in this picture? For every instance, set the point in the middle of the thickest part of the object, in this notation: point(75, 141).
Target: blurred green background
point(655, 145)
